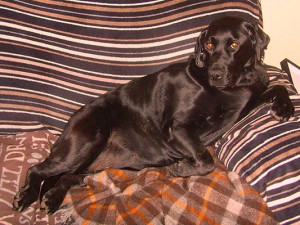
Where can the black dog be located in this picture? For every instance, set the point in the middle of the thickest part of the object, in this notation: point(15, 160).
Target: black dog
point(163, 119)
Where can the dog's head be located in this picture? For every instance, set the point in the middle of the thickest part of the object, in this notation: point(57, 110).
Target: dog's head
point(230, 48)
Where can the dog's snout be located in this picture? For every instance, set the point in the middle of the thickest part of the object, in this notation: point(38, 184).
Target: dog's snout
point(216, 72)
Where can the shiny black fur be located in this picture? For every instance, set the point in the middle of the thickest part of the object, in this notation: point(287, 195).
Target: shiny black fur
point(163, 119)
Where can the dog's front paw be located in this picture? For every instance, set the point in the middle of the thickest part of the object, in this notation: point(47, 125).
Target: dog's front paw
point(177, 169)
point(52, 200)
point(186, 168)
point(24, 198)
point(282, 108)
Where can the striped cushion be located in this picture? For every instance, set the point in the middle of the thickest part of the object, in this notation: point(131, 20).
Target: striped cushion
point(267, 154)
point(58, 55)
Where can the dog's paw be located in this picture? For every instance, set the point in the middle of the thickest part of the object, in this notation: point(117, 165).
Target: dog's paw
point(186, 168)
point(177, 169)
point(282, 108)
point(24, 198)
point(51, 201)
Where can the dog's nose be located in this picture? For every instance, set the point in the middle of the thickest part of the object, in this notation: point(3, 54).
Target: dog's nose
point(216, 75)
point(216, 72)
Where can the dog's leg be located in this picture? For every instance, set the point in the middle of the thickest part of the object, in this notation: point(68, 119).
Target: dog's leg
point(29, 192)
point(197, 160)
point(201, 165)
point(81, 142)
point(282, 108)
point(56, 164)
point(55, 196)
point(48, 184)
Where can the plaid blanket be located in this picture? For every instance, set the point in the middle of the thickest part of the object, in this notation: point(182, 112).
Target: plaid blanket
point(152, 196)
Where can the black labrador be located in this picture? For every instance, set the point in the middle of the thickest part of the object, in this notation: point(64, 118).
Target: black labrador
point(163, 119)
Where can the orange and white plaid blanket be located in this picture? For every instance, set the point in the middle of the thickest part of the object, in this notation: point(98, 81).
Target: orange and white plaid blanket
point(153, 196)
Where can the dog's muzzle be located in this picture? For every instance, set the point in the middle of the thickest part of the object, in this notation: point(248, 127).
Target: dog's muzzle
point(219, 77)
point(216, 73)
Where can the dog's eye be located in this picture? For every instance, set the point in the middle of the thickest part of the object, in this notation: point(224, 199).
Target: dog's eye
point(234, 45)
point(209, 45)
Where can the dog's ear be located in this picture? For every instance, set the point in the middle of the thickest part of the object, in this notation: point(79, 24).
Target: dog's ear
point(259, 39)
point(199, 54)
point(263, 41)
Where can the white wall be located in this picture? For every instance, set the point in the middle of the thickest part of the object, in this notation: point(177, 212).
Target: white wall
point(282, 24)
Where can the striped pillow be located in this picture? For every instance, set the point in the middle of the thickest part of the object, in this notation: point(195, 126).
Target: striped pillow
point(267, 154)
point(58, 55)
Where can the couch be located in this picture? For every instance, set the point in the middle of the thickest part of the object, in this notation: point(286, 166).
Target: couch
point(56, 56)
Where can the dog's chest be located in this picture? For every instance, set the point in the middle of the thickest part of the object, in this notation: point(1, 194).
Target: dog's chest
point(223, 105)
